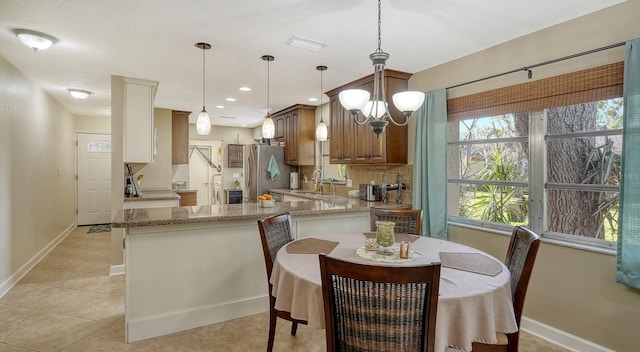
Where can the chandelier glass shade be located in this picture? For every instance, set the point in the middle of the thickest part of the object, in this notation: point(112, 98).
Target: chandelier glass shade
point(203, 121)
point(268, 128)
point(374, 107)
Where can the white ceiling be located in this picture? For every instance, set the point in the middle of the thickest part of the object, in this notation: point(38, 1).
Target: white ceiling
point(154, 39)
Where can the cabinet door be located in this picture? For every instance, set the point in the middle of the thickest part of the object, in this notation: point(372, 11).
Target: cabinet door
point(341, 143)
point(290, 137)
point(278, 122)
point(234, 155)
point(179, 137)
point(138, 136)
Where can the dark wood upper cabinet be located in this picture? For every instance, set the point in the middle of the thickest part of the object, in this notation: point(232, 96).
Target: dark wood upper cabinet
point(354, 144)
point(180, 137)
point(296, 126)
point(235, 155)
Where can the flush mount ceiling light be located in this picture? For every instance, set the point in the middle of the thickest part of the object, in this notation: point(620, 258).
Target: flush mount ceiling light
point(79, 93)
point(304, 43)
point(268, 128)
point(376, 111)
point(203, 121)
point(34, 39)
point(321, 130)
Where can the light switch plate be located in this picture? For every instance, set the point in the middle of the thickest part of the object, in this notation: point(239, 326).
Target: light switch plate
point(349, 183)
point(236, 175)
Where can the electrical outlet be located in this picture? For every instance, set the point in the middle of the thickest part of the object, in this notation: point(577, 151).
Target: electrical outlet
point(349, 183)
point(236, 175)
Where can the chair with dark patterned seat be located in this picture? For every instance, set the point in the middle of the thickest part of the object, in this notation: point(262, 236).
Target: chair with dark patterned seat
point(521, 256)
point(407, 220)
point(379, 308)
point(275, 232)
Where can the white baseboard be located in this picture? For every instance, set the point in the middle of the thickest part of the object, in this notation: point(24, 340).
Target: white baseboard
point(560, 338)
point(20, 273)
point(116, 270)
point(180, 321)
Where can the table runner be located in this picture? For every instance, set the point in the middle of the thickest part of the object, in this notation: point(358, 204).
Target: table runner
point(311, 246)
point(473, 262)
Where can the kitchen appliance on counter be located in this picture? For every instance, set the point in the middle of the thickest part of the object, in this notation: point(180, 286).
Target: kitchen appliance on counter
point(370, 193)
point(293, 180)
point(257, 177)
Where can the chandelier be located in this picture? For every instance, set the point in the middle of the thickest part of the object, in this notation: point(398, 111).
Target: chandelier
point(376, 110)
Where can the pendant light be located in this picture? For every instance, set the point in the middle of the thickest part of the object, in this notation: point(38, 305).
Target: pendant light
point(321, 129)
point(268, 128)
point(376, 110)
point(203, 121)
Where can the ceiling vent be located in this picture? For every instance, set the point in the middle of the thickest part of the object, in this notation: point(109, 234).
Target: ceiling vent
point(304, 43)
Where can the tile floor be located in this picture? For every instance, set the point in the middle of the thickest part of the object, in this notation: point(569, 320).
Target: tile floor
point(69, 303)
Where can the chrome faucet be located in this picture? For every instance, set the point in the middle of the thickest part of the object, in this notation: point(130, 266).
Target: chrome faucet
point(333, 187)
point(317, 179)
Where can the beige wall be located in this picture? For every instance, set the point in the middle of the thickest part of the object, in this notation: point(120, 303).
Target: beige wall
point(571, 290)
point(91, 124)
point(37, 173)
point(157, 175)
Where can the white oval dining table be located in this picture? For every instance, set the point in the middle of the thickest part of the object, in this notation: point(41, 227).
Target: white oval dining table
point(472, 307)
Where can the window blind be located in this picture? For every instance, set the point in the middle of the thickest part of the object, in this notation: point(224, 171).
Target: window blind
point(598, 83)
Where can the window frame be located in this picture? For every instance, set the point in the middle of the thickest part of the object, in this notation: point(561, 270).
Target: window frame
point(537, 186)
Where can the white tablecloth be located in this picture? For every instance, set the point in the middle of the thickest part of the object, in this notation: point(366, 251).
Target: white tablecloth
point(471, 307)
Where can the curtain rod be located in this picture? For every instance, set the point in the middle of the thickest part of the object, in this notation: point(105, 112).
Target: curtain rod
point(528, 68)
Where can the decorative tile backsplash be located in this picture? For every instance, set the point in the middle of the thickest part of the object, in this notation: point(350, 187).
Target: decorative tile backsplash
point(364, 174)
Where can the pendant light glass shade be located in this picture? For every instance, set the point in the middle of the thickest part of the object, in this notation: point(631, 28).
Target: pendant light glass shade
point(203, 121)
point(376, 111)
point(322, 132)
point(268, 127)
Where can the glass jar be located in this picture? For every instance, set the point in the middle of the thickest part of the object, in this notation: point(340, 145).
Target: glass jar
point(385, 236)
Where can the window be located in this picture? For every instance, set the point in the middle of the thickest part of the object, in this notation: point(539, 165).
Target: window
point(553, 168)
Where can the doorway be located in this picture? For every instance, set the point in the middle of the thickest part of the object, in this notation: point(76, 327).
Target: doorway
point(205, 171)
point(93, 162)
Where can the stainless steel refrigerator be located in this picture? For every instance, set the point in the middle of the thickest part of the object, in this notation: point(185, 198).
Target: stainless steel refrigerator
point(257, 178)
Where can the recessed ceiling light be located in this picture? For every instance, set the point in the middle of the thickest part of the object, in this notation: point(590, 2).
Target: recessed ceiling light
point(230, 99)
point(313, 99)
point(34, 39)
point(220, 106)
point(245, 89)
point(79, 93)
point(305, 43)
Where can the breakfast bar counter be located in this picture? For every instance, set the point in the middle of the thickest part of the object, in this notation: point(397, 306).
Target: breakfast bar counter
point(247, 211)
point(191, 266)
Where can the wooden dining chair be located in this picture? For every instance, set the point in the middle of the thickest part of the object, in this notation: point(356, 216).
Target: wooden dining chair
point(379, 308)
point(521, 256)
point(407, 220)
point(275, 232)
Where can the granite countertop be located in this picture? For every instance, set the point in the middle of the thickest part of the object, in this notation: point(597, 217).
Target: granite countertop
point(246, 211)
point(154, 195)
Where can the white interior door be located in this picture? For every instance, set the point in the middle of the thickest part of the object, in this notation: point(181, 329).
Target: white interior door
point(94, 178)
point(199, 173)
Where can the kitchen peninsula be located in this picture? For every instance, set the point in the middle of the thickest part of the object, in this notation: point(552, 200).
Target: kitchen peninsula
point(192, 266)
